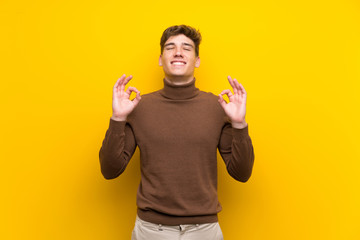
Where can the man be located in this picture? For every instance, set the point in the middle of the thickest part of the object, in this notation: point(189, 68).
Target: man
point(178, 130)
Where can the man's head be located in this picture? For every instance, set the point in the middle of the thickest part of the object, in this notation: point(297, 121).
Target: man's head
point(179, 53)
point(188, 31)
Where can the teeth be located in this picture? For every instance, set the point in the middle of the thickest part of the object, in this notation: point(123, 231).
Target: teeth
point(178, 63)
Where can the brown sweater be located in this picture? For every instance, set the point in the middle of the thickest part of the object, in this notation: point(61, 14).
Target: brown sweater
point(178, 131)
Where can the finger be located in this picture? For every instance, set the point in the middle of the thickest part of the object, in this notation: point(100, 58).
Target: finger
point(132, 89)
point(119, 81)
point(127, 80)
point(137, 99)
point(222, 101)
point(244, 95)
point(237, 85)
point(227, 92)
point(221, 98)
point(232, 84)
point(116, 88)
point(240, 95)
point(124, 82)
point(242, 89)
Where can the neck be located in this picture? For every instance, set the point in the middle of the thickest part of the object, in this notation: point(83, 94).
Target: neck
point(179, 81)
point(179, 92)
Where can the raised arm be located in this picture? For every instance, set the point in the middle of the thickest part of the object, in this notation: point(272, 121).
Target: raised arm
point(235, 144)
point(119, 143)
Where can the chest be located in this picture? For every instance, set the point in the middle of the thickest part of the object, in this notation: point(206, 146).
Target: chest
point(178, 123)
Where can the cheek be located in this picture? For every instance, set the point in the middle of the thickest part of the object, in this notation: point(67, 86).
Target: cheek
point(165, 59)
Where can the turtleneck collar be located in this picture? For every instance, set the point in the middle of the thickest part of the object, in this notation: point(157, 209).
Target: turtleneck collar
point(179, 92)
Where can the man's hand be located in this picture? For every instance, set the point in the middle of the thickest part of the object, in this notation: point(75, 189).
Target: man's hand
point(121, 104)
point(236, 108)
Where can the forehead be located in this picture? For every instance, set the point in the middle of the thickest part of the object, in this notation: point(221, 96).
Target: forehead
point(181, 38)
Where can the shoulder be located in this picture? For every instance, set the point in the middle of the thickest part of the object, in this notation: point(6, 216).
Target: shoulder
point(208, 95)
point(146, 100)
point(210, 98)
point(211, 101)
point(149, 97)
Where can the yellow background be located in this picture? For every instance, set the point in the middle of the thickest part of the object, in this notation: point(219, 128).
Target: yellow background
point(298, 60)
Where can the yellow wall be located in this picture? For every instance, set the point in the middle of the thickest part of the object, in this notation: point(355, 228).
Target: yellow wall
point(298, 60)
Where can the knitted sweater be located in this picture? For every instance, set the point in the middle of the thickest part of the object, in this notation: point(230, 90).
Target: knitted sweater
point(178, 130)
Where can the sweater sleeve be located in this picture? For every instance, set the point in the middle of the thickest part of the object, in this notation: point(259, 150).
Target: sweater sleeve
point(117, 149)
point(237, 151)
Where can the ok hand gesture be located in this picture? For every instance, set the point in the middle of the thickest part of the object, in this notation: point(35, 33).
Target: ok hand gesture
point(236, 108)
point(121, 104)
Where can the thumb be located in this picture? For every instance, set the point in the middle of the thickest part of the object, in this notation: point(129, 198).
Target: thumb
point(137, 99)
point(222, 101)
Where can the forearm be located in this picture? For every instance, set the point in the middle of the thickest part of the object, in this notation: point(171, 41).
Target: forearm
point(116, 150)
point(242, 157)
point(238, 153)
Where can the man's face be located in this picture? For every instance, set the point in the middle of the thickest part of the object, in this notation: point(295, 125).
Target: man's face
point(178, 58)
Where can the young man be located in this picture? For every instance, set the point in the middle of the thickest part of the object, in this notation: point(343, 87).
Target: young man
point(178, 130)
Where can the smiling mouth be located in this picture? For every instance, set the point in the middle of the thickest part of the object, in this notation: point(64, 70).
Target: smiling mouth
point(178, 63)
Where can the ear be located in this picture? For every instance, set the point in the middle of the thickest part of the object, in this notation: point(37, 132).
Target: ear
point(197, 62)
point(160, 63)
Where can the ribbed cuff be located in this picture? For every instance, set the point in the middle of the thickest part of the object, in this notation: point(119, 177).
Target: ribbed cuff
point(117, 126)
point(239, 134)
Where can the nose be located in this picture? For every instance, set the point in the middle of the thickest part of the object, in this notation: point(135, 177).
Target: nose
point(178, 52)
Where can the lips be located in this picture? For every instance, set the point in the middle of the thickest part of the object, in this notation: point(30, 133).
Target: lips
point(178, 63)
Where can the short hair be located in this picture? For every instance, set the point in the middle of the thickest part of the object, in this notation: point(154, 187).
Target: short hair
point(188, 31)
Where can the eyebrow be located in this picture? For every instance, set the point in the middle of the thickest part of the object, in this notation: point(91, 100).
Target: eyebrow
point(173, 44)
